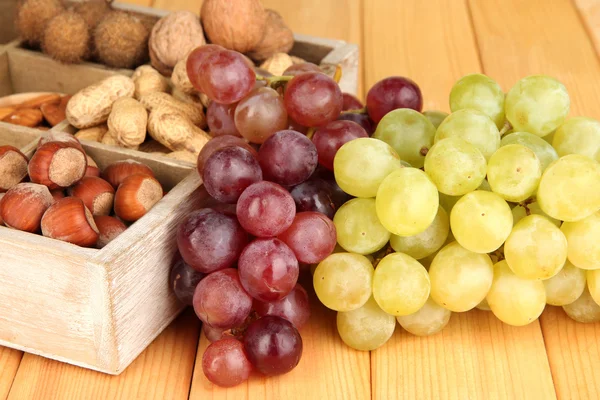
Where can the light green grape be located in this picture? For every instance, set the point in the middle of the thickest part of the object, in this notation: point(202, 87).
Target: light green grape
point(405, 164)
point(584, 309)
point(537, 104)
point(593, 284)
point(566, 286)
point(448, 202)
point(429, 320)
point(425, 243)
point(522, 210)
point(400, 284)
point(479, 92)
point(358, 228)
point(460, 279)
point(366, 328)
point(407, 202)
point(514, 300)
point(472, 126)
point(536, 248)
point(483, 306)
point(343, 281)
point(542, 149)
point(481, 221)
point(549, 137)
point(579, 135)
point(409, 132)
point(435, 117)
point(361, 165)
point(455, 166)
point(583, 237)
point(570, 188)
point(514, 172)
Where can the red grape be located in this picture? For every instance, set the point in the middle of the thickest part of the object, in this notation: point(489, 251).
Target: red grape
point(362, 119)
point(301, 68)
point(260, 114)
point(273, 345)
point(268, 269)
point(391, 93)
point(213, 334)
point(265, 209)
point(312, 237)
point(209, 240)
point(195, 60)
point(225, 363)
point(228, 172)
point(294, 307)
point(184, 280)
point(219, 118)
point(294, 126)
point(314, 195)
point(313, 99)
point(288, 158)
point(351, 102)
point(225, 77)
point(221, 301)
point(219, 143)
point(334, 135)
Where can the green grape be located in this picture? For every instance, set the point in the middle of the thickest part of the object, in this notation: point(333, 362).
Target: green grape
point(485, 185)
point(593, 283)
point(404, 164)
point(366, 328)
point(542, 149)
point(435, 117)
point(472, 126)
point(483, 306)
point(570, 188)
point(513, 300)
point(583, 237)
point(585, 309)
point(514, 172)
point(429, 320)
point(409, 132)
point(566, 286)
point(481, 221)
point(361, 165)
point(400, 284)
point(448, 202)
point(342, 281)
point(522, 210)
point(549, 137)
point(536, 248)
point(455, 166)
point(358, 228)
point(407, 202)
point(479, 92)
point(425, 243)
point(460, 278)
point(579, 135)
point(537, 104)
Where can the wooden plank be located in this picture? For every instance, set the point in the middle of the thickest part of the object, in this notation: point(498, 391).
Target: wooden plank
point(328, 368)
point(163, 371)
point(510, 51)
point(9, 364)
point(589, 12)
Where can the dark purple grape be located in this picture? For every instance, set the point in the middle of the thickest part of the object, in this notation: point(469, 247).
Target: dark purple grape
point(184, 280)
point(288, 158)
point(294, 307)
point(219, 143)
point(314, 195)
point(225, 363)
point(225, 76)
point(391, 93)
point(331, 137)
point(228, 172)
point(312, 237)
point(338, 196)
point(213, 334)
point(301, 68)
point(273, 345)
point(265, 209)
point(351, 102)
point(362, 119)
point(221, 301)
point(209, 240)
point(313, 99)
point(220, 119)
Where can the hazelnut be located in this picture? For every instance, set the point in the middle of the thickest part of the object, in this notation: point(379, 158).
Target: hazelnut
point(24, 205)
point(58, 194)
point(97, 194)
point(53, 136)
point(109, 228)
point(117, 172)
point(57, 165)
point(1, 197)
point(92, 168)
point(69, 220)
point(13, 167)
point(136, 196)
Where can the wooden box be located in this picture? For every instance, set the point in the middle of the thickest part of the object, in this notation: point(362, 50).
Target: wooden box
point(100, 309)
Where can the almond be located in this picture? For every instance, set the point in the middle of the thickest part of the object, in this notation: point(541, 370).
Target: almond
point(37, 102)
point(5, 112)
point(25, 117)
point(54, 113)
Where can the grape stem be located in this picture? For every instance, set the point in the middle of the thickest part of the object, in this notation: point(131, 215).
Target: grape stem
point(274, 82)
point(310, 133)
point(507, 127)
point(337, 76)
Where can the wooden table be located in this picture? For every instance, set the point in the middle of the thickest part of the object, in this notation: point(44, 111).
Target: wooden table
point(434, 42)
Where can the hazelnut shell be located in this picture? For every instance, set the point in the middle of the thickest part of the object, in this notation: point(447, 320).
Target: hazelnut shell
point(69, 220)
point(136, 196)
point(23, 206)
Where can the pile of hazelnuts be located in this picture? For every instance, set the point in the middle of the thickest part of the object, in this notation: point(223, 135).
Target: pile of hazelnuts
point(61, 193)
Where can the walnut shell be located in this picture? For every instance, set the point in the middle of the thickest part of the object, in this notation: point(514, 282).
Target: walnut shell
point(176, 132)
point(277, 63)
point(278, 38)
point(172, 38)
point(235, 24)
point(190, 111)
point(127, 121)
point(148, 80)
